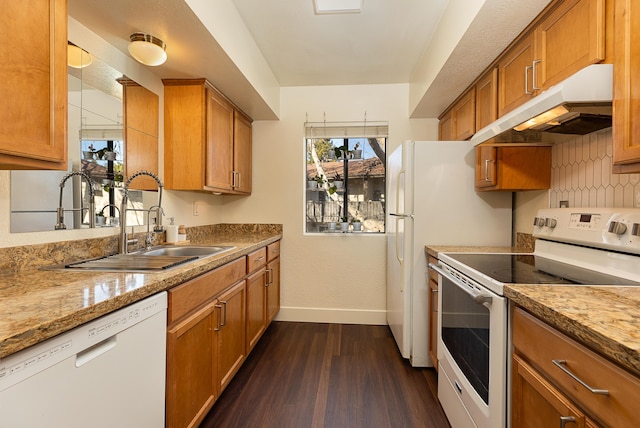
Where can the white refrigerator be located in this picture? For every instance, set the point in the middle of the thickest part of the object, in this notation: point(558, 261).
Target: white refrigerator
point(431, 201)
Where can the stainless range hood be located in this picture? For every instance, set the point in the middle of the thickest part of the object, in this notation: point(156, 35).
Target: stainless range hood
point(579, 105)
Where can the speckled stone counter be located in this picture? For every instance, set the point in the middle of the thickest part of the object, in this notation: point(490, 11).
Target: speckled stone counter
point(605, 319)
point(39, 304)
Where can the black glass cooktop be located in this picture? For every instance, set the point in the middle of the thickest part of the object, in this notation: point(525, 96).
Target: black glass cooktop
point(531, 269)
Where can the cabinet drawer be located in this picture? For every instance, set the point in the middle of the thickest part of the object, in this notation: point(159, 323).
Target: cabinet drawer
point(541, 345)
point(273, 251)
point(188, 296)
point(256, 259)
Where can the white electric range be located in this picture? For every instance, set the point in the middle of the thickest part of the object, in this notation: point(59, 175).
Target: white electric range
point(574, 246)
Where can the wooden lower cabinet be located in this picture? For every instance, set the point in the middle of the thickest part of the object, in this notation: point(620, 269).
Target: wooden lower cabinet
point(230, 334)
point(214, 321)
point(191, 368)
point(536, 403)
point(545, 387)
point(256, 306)
point(433, 313)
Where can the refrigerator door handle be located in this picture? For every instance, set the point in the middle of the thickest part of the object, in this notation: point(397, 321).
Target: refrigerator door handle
point(400, 173)
point(401, 215)
point(400, 259)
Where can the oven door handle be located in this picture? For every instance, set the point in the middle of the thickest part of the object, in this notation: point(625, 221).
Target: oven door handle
point(484, 299)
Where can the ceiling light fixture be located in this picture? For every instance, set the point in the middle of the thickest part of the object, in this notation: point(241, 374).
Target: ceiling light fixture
point(147, 49)
point(337, 6)
point(77, 57)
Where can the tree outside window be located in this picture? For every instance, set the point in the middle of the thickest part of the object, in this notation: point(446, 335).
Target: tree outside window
point(346, 183)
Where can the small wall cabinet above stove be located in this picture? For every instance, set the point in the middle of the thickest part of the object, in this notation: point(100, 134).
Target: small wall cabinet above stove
point(513, 168)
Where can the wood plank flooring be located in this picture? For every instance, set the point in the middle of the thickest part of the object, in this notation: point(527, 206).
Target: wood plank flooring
point(328, 375)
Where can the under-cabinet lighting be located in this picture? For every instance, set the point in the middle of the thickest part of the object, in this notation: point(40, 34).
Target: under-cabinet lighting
point(546, 117)
point(337, 6)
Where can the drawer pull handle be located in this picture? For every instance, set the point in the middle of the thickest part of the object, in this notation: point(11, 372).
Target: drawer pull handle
point(562, 365)
point(566, 419)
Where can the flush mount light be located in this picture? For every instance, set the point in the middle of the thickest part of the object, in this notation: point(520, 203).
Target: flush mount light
point(337, 6)
point(147, 49)
point(77, 57)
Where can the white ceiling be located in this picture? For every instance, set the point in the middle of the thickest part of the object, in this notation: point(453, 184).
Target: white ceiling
point(379, 45)
point(382, 44)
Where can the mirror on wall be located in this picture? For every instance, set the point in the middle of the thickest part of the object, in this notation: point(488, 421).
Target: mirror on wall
point(96, 147)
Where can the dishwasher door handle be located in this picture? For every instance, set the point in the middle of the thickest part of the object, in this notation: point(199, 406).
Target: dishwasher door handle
point(93, 352)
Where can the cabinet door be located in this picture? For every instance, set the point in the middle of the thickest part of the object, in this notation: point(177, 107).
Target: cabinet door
point(191, 368)
point(231, 334)
point(33, 72)
point(536, 403)
point(241, 153)
point(219, 143)
point(273, 289)
point(141, 108)
point(464, 116)
point(568, 39)
point(445, 127)
point(487, 99)
point(515, 76)
point(256, 307)
point(486, 166)
point(626, 98)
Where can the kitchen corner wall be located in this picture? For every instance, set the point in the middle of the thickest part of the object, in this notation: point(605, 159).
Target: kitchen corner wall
point(580, 174)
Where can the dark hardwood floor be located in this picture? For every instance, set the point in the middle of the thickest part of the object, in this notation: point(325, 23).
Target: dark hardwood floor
point(328, 375)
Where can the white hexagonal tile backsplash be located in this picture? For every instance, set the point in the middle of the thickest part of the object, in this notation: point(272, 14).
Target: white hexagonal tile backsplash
point(581, 174)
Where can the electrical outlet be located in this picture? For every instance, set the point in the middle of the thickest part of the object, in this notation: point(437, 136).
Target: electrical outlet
point(196, 209)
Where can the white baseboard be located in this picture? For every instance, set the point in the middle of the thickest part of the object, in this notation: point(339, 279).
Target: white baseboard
point(333, 316)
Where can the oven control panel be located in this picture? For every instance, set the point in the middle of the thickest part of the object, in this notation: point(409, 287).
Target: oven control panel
point(609, 228)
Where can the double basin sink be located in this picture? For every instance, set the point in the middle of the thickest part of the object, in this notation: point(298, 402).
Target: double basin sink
point(152, 260)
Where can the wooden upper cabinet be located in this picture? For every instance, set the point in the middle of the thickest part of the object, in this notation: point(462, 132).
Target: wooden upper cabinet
point(445, 127)
point(202, 129)
point(33, 72)
point(219, 142)
point(242, 161)
point(464, 116)
point(626, 97)
point(513, 168)
point(459, 123)
point(141, 123)
point(487, 99)
point(567, 38)
point(515, 71)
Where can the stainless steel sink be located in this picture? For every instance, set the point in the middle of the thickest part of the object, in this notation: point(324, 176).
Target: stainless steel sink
point(153, 260)
point(185, 251)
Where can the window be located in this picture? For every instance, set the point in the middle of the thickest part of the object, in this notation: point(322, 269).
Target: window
point(345, 178)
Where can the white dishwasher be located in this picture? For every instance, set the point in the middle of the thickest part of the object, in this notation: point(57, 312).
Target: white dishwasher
point(109, 372)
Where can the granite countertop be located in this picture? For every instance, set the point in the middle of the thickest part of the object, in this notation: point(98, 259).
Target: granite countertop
point(606, 319)
point(39, 304)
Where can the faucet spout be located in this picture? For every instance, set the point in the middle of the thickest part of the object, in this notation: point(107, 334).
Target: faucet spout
point(60, 211)
point(123, 242)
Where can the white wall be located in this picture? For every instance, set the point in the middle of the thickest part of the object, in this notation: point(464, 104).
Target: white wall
point(333, 278)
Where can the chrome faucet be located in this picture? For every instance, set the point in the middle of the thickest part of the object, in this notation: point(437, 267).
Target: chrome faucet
point(114, 206)
point(60, 212)
point(124, 241)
